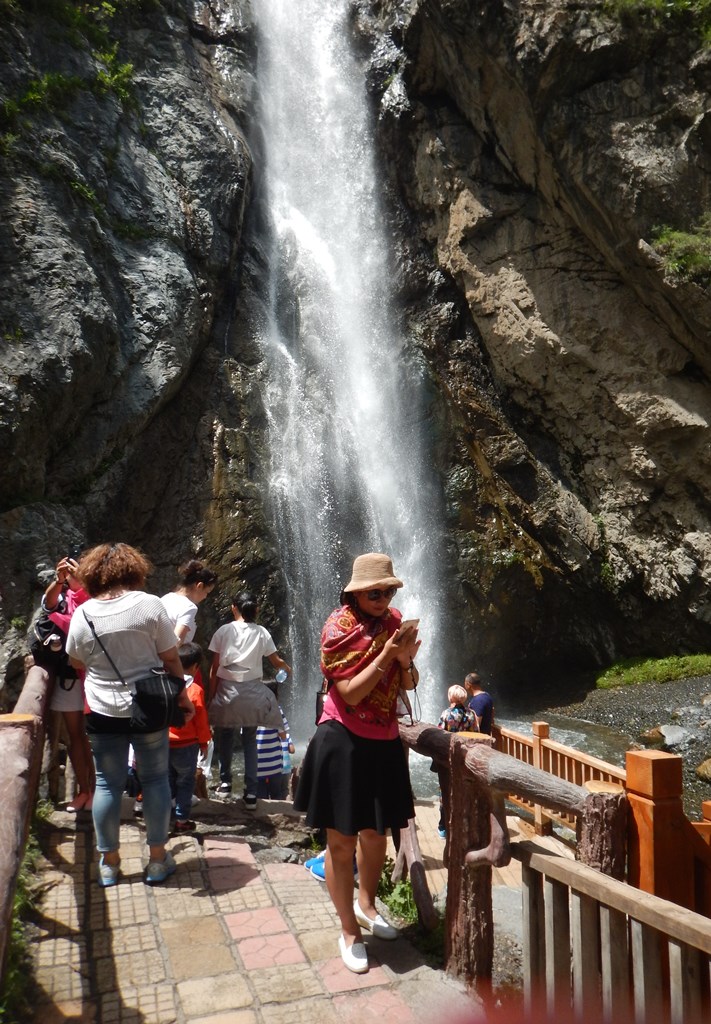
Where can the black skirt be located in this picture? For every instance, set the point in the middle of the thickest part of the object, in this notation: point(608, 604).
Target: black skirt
point(349, 783)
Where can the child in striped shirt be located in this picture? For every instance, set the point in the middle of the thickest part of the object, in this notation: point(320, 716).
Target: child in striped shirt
point(272, 746)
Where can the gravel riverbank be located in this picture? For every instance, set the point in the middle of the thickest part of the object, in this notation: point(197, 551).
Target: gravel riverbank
point(635, 710)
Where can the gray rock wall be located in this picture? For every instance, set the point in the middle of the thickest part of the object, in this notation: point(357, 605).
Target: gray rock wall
point(127, 406)
point(534, 148)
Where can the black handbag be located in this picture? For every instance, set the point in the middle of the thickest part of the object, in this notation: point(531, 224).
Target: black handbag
point(154, 705)
point(321, 697)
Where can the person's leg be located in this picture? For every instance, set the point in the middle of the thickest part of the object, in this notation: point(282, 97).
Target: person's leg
point(110, 752)
point(249, 746)
point(224, 748)
point(371, 857)
point(79, 750)
point(152, 758)
point(339, 882)
point(183, 762)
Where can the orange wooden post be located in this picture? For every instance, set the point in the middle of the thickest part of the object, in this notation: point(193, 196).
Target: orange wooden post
point(659, 858)
point(706, 810)
point(541, 731)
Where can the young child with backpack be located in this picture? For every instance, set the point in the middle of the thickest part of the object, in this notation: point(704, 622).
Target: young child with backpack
point(458, 717)
point(187, 741)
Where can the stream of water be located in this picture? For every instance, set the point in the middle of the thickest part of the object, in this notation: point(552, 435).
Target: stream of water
point(350, 468)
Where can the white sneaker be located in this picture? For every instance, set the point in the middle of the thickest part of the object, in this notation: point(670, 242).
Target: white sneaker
point(355, 957)
point(377, 925)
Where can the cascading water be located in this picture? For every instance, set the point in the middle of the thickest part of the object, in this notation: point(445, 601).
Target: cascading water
point(345, 400)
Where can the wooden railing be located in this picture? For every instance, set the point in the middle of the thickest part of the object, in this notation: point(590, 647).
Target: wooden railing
point(22, 743)
point(666, 854)
point(474, 779)
point(540, 751)
point(634, 957)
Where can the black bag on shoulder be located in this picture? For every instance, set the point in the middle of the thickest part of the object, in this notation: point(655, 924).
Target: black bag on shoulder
point(48, 647)
point(321, 697)
point(154, 705)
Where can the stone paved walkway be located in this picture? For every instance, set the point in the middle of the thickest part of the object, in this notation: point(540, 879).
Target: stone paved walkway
point(231, 938)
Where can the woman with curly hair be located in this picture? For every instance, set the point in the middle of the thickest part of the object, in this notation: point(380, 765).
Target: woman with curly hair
point(135, 630)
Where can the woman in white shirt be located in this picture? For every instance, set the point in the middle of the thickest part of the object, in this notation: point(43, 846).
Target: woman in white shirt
point(135, 630)
point(238, 696)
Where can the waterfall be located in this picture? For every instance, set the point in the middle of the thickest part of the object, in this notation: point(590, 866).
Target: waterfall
point(346, 398)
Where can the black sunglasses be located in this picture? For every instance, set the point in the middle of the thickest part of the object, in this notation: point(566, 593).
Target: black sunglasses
point(375, 595)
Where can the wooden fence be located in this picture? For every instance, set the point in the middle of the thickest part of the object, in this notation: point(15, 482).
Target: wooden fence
point(596, 948)
point(22, 742)
point(607, 951)
point(540, 751)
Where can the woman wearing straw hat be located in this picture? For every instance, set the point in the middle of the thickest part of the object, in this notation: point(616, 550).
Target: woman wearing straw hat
point(354, 781)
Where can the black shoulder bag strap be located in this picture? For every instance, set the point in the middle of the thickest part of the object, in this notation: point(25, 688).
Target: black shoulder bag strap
point(92, 627)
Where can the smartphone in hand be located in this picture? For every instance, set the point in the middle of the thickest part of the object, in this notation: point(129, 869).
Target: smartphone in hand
point(406, 625)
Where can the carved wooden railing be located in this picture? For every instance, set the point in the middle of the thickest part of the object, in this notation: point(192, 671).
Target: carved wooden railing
point(611, 925)
point(667, 854)
point(634, 957)
point(540, 751)
point(22, 743)
point(474, 779)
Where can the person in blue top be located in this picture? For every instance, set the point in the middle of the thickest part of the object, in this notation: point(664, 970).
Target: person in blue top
point(480, 702)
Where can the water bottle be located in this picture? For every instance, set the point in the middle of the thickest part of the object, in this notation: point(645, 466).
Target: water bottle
point(281, 676)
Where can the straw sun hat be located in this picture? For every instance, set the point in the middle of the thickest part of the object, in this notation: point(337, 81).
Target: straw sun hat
point(372, 570)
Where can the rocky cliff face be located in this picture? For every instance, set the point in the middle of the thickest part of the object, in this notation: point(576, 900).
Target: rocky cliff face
point(528, 150)
point(535, 147)
point(124, 193)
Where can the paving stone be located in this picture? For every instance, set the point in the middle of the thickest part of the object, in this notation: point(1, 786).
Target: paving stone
point(247, 923)
point(233, 876)
point(285, 872)
point(286, 984)
point(156, 1004)
point(379, 1004)
point(337, 978)
point(270, 951)
point(201, 961)
point(131, 970)
point(193, 931)
point(212, 995)
point(249, 898)
point(232, 1017)
point(319, 945)
point(306, 1011)
point(314, 917)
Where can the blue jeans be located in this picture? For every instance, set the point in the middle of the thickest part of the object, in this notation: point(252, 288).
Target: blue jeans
point(224, 748)
point(110, 752)
point(183, 763)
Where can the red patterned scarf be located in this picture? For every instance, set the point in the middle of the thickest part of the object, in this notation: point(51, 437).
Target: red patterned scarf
point(348, 645)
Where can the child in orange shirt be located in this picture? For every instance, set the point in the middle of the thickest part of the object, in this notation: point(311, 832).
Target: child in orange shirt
point(188, 741)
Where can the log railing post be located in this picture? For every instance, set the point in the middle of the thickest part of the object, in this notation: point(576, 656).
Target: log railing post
point(657, 827)
point(602, 828)
point(706, 810)
point(541, 821)
point(22, 745)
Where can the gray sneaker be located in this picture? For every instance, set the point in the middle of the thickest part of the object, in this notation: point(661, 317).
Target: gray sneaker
point(108, 873)
point(158, 870)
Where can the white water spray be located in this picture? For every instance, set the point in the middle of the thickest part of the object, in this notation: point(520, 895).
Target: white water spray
point(347, 420)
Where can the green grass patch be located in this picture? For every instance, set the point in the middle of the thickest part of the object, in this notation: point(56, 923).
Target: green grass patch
point(633, 671)
point(676, 15)
point(686, 254)
point(398, 897)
